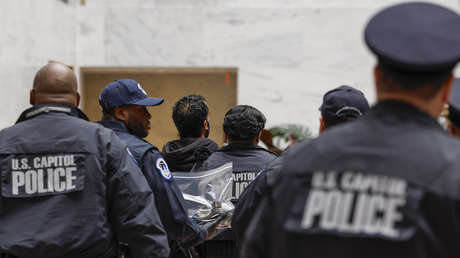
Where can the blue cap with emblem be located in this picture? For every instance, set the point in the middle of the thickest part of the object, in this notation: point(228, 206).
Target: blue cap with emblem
point(126, 92)
point(415, 37)
point(341, 102)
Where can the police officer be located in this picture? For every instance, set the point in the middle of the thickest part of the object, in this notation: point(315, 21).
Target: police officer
point(386, 185)
point(124, 110)
point(454, 110)
point(340, 105)
point(69, 188)
point(243, 126)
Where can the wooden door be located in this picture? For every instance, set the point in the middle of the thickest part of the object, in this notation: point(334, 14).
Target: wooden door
point(217, 85)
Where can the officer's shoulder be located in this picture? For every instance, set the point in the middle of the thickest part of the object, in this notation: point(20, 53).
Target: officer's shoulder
point(319, 149)
point(216, 156)
point(152, 148)
point(135, 142)
point(271, 171)
point(5, 135)
point(105, 136)
point(75, 123)
point(84, 127)
point(268, 153)
point(214, 160)
point(446, 153)
point(11, 129)
point(450, 146)
point(218, 153)
point(100, 130)
point(142, 146)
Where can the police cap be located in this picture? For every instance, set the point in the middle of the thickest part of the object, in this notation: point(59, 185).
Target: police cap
point(415, 37)
point(344, 101)
point(126, 92)
point(454, 103)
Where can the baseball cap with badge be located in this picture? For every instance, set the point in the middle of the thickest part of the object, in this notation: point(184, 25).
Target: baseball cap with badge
point(126, 92)
point(343, 103)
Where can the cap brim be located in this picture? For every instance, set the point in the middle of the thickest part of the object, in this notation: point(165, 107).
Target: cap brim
point(149, 102)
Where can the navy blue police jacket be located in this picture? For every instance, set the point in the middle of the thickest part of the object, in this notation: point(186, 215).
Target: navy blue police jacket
point(385, 185)
point(167, 195)
point(247, 161)
point(69, 189)
point(249, 200)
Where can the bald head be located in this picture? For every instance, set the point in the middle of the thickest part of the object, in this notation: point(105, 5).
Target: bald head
point(55, 83)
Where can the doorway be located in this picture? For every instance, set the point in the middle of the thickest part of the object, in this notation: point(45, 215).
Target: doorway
point(217, 85)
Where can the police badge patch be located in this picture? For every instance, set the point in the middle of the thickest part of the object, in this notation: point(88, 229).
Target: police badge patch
point(33, 175)
point(354, 204)
point(163, 169)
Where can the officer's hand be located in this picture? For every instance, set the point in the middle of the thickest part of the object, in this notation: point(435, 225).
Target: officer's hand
point(211, 227)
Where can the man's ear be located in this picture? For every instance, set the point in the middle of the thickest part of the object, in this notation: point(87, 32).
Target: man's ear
point(377, 72)
point(121, 113)
point(322, 127)
point(377, 78)
point(257, 139)
point(78, 99)
point(204, 128)
point(205, 125)
point(225, 137)
point(446, 89)
point(32, 97)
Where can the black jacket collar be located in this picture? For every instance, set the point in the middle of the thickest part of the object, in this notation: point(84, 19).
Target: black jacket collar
point(238, 147)
point(117, 126)
point(396, 111)
point(51, 107)
point(120, 127)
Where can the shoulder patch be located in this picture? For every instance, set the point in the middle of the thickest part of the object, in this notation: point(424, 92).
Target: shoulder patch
point(163, 169)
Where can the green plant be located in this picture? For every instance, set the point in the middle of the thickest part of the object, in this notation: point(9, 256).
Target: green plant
point(296, 131)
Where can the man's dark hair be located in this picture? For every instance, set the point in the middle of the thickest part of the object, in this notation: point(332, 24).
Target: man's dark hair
point(188, 115)
point(243, 123)
point(424, 84)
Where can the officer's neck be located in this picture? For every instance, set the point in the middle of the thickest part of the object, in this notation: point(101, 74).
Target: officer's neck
point(254, 141)
point(432, 106)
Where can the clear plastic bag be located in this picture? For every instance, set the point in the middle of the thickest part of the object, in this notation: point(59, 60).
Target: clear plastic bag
point(208, 194)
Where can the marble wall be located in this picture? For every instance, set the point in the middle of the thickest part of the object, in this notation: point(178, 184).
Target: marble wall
point(288, 52)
